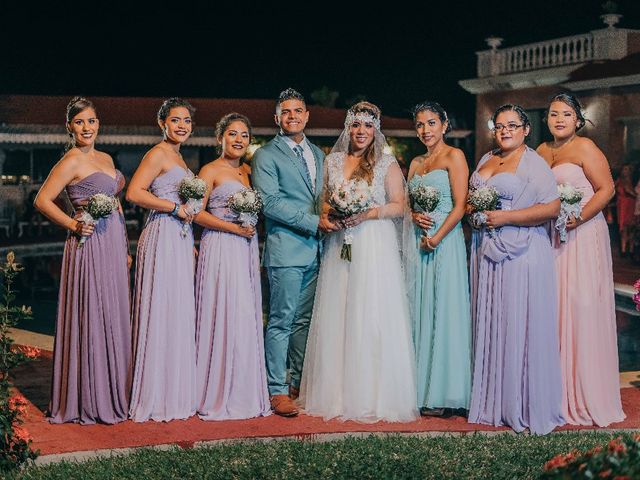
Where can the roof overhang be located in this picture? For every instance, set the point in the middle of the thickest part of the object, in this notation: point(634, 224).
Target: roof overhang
point(609, 82)
point(145, 136)
point(518, 81)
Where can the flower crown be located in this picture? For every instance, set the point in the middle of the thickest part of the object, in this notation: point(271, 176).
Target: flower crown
point(363, 117)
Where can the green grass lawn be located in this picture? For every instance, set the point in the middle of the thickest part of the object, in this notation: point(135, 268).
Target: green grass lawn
point(465, 457)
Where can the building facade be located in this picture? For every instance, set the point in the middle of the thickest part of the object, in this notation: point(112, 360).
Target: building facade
point(601, 67)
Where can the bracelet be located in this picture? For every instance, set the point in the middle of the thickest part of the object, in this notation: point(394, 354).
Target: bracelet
point(429, 244)
point(175, 210)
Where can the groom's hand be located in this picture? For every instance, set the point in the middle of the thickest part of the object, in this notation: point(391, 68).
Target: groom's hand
point(325, 225)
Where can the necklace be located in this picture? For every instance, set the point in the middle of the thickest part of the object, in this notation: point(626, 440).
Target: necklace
point(238, 168)
point(508, 156)
point(429, 158)
point(554, 149)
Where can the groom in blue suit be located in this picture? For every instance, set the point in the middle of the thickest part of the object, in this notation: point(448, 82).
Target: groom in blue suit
point(287, 171)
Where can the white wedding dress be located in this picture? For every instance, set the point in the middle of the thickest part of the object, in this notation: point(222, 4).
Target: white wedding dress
point(359, 362)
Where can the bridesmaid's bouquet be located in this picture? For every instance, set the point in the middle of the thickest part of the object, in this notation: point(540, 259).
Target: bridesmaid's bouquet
point(423, 198)
point(99, 206)
point(192, 190)
point(636, 296)
point(247, 203)
point(570, 198)
point(348, 198)
point(481, 199)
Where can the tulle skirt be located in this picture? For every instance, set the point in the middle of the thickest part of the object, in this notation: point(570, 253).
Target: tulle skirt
point(359, 363)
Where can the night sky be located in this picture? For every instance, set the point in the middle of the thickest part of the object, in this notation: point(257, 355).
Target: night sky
point(394, 56)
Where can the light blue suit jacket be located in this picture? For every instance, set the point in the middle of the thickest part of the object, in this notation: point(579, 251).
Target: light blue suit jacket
point(291, 208)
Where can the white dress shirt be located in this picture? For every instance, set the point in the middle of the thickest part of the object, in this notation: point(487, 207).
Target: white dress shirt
point(307, 153)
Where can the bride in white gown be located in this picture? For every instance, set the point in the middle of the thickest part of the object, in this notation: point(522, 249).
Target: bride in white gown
point(359, 361)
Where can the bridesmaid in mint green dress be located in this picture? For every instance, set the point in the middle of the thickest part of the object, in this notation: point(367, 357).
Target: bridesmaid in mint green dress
point(437, 276)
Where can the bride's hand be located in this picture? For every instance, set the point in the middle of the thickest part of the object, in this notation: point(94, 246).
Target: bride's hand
point(354, 220)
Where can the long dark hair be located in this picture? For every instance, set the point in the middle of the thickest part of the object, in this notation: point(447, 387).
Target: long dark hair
point(75, 106)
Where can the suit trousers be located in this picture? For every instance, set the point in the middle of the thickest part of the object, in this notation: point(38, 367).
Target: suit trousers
point(291, 305)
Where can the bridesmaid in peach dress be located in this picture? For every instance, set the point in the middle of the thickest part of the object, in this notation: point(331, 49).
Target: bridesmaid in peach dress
point(588, 342)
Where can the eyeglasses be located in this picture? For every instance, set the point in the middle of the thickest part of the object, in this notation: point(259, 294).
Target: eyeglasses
point(510, 127)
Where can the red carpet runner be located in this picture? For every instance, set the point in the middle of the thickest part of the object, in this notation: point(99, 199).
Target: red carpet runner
point(33, 381)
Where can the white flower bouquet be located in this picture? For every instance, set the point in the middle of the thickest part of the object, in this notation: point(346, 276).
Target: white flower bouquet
point(247, 203)
point(192, 190)
point(348, 198)
point(424, 198)
point(570, 198)
point(482, 199)
point(99, 206)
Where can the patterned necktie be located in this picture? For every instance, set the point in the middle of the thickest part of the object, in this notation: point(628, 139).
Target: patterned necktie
point(298, 150)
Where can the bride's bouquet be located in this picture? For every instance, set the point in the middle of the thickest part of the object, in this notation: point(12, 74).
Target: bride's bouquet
point(481, 199)
point(247, 203)
point(348, 198)
point(570, 198)
point(192, 190)
point(99, 206)
point(423, 198)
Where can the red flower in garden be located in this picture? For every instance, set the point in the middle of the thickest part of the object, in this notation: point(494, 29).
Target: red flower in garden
point(19, 403)
point(29, 351)
point(21, 433)
point(617, 446)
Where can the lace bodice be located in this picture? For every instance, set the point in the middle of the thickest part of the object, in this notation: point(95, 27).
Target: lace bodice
point(335, 174)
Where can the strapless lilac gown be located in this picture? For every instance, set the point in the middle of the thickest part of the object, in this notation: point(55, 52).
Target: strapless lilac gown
point(92, 349)
point(231, 377)
point(516, 369)
point(164, 313)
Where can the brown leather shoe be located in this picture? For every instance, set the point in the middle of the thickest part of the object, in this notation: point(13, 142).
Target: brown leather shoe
point(294, 392)
point(282, 405)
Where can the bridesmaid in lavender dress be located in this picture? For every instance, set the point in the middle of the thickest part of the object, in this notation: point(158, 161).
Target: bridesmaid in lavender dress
point(164, 304)
point(92, 350)
point(516, 372)
point(230, 374)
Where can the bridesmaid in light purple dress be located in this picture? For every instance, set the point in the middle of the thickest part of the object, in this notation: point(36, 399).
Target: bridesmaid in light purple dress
point(516, 372)
point(92, 349)
point(164, 304)
point(231, 376)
